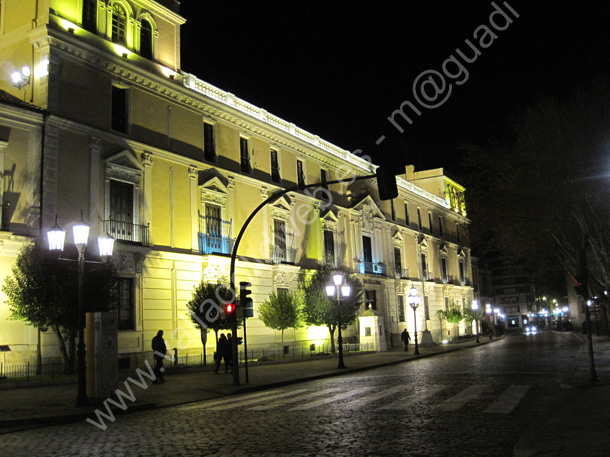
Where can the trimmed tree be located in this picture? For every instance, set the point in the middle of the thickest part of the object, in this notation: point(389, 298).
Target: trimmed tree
point(454, 315)
point(207, 308)
point(43, 292)
point(319, 309)
point(281, 311)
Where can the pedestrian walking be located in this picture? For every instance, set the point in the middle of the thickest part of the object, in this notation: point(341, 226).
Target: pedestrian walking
point(159, 350)
point(405, 338)
point(229, 354)
point(221, 352)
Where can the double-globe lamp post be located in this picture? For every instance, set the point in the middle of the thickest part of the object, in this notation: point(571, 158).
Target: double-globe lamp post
point(80, 233)
point(338, 289)
point(413, 301)
point(475, 308)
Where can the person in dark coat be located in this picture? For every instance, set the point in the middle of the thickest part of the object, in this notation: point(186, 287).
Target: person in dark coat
point(405, 338)
point(159, 349)
point(229, 354)
point(221, 351)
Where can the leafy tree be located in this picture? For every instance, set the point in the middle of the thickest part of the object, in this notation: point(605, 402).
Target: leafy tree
point(543, 196)
point(281, 311)
point(206, 308)
point(319, 309)
point(454, 314)
point(43, 291)
point(471, 315)
point(441, 314)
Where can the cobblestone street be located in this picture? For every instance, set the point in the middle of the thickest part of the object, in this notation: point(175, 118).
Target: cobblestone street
point(475, 402)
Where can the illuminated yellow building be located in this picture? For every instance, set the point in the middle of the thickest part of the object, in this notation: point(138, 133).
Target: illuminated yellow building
point(172, 166)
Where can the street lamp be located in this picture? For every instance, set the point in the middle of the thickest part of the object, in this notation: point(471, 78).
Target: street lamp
point(80, 233)
point(475, 308)
point(339, 289)
point(413, 300)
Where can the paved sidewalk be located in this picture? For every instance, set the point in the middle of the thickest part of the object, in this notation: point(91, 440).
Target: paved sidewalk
point(578, 426)
point(37, 406)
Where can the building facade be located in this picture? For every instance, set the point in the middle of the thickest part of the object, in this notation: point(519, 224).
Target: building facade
point(172, 167)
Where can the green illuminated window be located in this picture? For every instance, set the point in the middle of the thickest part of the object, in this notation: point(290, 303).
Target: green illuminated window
point(119, 21)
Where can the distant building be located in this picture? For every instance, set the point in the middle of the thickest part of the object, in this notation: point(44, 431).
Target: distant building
point(172, 166)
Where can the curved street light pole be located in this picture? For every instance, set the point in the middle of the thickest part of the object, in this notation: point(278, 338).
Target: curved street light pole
point(414, 301)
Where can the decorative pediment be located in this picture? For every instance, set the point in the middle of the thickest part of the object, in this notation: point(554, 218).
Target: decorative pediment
point(213, 188)
point(124, 167)
point(281, 208)
point(444, 250)
point(398, 238)
point(330, 220)
point(370, 211)
point(461, 253)
point(423, 243)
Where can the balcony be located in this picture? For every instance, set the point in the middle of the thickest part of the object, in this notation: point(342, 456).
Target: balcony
point(127, 231)
point(371, 268)
point(401, 273)
point(283, 255)
point(215, 244)
point(332, 261)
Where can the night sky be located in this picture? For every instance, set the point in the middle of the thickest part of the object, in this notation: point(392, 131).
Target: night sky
point(338, 69)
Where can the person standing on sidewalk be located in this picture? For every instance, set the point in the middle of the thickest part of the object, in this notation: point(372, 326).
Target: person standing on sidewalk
point(405, 338)
point(159, 350)
point(221, 352)
point(229, 354)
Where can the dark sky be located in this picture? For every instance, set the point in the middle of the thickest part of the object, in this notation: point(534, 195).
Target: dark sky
point(338, 69)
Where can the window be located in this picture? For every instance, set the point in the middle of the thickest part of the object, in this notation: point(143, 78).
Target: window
point(462, 272)
point(323, 178)
point(401, 308)
point(407, 220)
point(245, 157)
point(120, 109)
point(146, 37)
point(419, 219)
point(424, 268)
point(444, 275)
point(440, 226)
point(367, 253)
point(329, 248)
point(397, 263)
point(300, 174)
point(279, 248)
point(370, 299)
point(275, 167)
point(213, 226)
point(121, 210)
point(90, 15)
point(392, 210)
point(430, 222)
point(119, 20)
point(125, 306)
point(209, 147)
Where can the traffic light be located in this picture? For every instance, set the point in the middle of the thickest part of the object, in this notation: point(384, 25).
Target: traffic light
point(230, 311)
point(386, 182)
point(580, 285)
point(245, 300)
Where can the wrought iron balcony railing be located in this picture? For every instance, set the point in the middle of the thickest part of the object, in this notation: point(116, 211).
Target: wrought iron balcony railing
point(215, 244)
point(283, 255)
point(127, 231)
point(371, 268)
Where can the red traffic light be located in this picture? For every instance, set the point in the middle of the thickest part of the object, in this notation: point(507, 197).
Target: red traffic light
point(230, 308)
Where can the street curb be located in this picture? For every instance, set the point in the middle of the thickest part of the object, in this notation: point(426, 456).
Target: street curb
point(14, 425)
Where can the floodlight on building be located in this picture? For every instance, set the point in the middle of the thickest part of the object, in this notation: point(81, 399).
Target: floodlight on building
point(21, 78)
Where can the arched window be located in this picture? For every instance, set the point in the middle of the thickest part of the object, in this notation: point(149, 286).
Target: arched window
point(90, 15)
point(146, 37)
point(119, 21)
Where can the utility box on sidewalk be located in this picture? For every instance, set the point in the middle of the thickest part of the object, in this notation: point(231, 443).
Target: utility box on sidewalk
point(102, 356)
point(372, 331)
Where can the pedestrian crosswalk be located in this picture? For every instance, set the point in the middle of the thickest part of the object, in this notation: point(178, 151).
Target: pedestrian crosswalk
point(402, 397)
